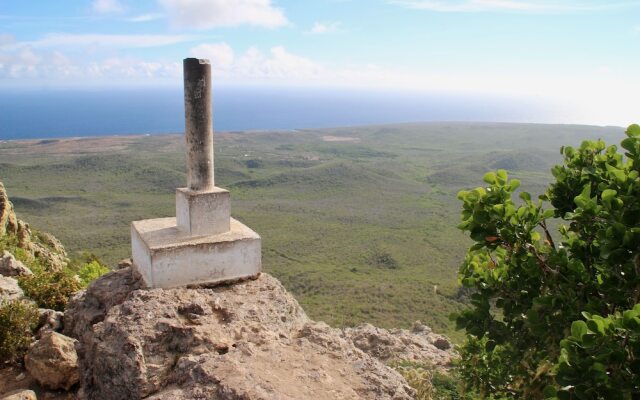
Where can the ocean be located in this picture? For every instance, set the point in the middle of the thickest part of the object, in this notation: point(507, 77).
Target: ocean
point(31, 113)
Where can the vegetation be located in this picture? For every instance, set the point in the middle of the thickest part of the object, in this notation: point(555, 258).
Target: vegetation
point(17, 320)
point(430, 382)
point(556, 317)
point(325, 209)
point(50, 289)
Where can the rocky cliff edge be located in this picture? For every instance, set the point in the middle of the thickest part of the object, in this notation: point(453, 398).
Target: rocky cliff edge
point(249, 340)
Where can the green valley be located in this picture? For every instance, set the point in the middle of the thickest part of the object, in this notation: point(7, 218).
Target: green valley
point(359, 223)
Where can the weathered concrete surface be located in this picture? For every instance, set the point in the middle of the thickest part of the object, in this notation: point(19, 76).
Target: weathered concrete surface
point(202, 245)
point(203, 213)
point(247, 341)
point(167, 257)
point(198, 123)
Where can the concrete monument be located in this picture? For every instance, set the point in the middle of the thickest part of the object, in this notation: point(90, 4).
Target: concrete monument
point(203, 244)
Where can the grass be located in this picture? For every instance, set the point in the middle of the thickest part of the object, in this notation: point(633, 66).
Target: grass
point(358, 230)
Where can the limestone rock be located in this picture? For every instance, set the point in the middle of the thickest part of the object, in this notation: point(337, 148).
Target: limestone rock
point(52, 242)
point(49, 320)
point(42, 245)
point(125, 263)
point(8, 222)
point(419, 345)
point(250, 340)
point(55, 261)
point(24, 234)
point(9, 266)
point(90, 306)
point(20, 394)
point(53, 361)
point(9, 289)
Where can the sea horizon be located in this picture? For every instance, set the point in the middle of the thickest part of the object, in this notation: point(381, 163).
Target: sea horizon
point(59, 113)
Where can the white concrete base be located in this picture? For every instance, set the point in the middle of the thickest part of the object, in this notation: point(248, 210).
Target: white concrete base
point(167, 257)
point(201, 213)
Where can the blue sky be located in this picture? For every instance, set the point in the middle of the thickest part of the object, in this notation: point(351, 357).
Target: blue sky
point(583, 55)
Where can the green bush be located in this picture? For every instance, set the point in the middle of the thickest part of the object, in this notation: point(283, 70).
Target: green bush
point(18, 319)
point(91, 271)
point(601, 358)
point(529, 285)
point(50, 289)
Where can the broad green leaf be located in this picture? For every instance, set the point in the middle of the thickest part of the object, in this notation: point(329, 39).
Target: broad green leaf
point(608, 194)
point(617, 173)
point(502, 176)
point(490, 178)
point(578, 328)
point(633, 130)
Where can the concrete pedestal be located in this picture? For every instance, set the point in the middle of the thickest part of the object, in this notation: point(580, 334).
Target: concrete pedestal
point(167, 256)
point(203, 244)
point(201, 213)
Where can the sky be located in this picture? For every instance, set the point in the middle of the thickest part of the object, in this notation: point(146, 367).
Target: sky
point(583, 55)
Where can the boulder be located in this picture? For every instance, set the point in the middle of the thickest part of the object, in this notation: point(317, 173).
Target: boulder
point(249, 340)
point(49, 320)
point(90, 306)
point(20, 394)
point(419, 344)
point(125, 263)
point(9, 266)
point(9, 289)
point(53, 361)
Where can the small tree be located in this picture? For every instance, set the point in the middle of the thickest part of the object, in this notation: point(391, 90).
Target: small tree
point(554, 317)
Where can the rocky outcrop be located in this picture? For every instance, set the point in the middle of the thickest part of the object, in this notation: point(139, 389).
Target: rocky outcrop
point(91, 306)
point(9, 266)
point(53, 361)
point(20, 394)
point(419, 344)
point(49, 320)
point(250, 340)
point(8, 220)
point(9, 289)
point(42, 245)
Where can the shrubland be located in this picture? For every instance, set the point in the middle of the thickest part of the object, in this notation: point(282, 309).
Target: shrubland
point(48, 287)
point(554, 313)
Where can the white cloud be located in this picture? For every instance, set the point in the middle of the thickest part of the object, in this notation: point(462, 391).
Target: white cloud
point(539, 6)
point(220, 55)
point(146, 17)
point(107, 6)
point(6, 38)
point(56, 67)
point(205, 14)
point(253, 65)
point(320, 28)
point(64, 40)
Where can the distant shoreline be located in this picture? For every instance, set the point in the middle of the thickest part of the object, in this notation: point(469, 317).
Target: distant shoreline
point(45, 139)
